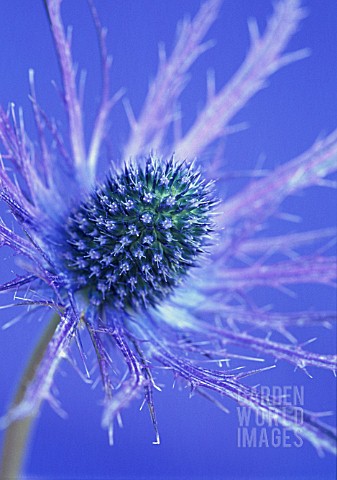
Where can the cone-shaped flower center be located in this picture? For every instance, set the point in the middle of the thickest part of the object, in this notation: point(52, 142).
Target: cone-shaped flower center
point(136, 236)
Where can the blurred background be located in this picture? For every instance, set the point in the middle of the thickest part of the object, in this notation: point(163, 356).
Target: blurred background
point(299, 105)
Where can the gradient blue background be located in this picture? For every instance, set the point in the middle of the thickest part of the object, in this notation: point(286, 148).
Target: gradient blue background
point(198, 441)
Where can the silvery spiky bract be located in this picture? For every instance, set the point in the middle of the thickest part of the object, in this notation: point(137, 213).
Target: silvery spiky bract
point(149, 259)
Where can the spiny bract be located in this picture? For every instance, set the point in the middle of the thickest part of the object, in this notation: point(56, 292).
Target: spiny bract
point(133, 240)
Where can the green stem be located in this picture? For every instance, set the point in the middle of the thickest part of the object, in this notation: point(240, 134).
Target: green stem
point(18, 432)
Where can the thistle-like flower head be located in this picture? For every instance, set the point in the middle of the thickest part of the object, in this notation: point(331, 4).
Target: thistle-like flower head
point(114, 258)
point(134, 239)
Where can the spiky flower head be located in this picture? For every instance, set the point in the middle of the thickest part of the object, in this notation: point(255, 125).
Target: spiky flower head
point(134, 239)
point(110, 262)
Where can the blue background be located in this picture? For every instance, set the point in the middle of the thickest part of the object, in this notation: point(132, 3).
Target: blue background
point(198, 441)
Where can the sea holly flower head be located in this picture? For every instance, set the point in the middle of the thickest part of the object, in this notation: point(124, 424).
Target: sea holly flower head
point(135, 238)
point(152, 259)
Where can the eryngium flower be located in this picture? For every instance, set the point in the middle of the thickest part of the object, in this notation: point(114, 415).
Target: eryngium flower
point(117, 255)
point(136, 236)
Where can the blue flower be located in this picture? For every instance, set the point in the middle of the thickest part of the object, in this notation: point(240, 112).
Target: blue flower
point(144, 227)
point(151, 259)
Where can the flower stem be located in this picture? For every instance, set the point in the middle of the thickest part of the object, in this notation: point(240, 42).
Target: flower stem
point(18, 432)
